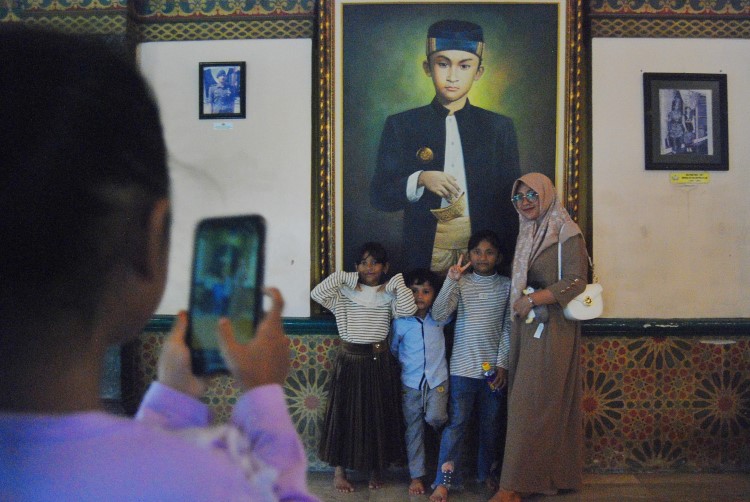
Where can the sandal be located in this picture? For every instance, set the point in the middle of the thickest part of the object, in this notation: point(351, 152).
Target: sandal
point(446, 475)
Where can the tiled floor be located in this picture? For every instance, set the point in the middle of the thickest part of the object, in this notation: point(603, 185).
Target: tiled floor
point(734, 487)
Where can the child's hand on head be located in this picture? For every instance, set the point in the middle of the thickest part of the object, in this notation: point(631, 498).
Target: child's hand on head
point(457, 270)
point(387, 282)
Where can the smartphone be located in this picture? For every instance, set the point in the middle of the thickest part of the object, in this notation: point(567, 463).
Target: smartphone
point(227, 281)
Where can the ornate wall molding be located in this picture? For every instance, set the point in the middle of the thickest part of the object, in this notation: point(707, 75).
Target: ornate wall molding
point(93, 17)
point(671, 8)
point(670, 28)
point(670, 18)
point(166, 20)
point(163, 20)
point(224, 29)
point(212, 9)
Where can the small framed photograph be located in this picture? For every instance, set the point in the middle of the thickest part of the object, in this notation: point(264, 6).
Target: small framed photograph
point(686, 121)
point(222, 90)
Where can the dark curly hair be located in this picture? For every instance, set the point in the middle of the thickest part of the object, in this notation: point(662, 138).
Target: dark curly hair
point(421, 276)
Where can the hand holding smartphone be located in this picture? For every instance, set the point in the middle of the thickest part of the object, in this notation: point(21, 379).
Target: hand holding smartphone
point(265, 359)
point(227, 281)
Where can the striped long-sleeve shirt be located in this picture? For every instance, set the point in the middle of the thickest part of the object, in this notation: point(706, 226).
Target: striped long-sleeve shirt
point(364, 315)
point(482, 322)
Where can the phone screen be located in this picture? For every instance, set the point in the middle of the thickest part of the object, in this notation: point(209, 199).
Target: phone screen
point(227, 281)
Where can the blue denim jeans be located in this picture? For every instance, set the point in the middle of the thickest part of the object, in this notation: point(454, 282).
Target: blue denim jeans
point(466, 395)
point(420, 406)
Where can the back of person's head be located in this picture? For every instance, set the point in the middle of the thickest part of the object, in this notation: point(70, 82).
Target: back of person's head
point(374, 250)
point(83, 163)
point(485, 235)
point(420, 276)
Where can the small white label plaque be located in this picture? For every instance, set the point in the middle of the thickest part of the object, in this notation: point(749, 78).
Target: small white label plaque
point(223, 126)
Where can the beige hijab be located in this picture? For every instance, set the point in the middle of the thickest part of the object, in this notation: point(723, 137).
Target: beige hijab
point(553, 225)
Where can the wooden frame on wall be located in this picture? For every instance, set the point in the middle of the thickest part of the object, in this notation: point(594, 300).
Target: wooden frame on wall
point(685, 117)
point(221, 90)
point(562, 142)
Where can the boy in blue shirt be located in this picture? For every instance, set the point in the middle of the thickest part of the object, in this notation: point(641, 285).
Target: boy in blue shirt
point(419, 344)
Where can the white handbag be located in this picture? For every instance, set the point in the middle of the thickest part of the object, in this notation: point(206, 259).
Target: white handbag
point(587, 305)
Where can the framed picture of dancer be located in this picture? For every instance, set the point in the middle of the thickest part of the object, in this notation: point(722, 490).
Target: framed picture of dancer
point(377, 63)
point(222, 90)
point(686, 121)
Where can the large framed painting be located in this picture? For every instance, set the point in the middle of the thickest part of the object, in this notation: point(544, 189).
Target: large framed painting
point(685, 118)
point(384, 68)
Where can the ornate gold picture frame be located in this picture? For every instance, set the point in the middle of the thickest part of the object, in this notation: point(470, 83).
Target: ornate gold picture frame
point(560, 142)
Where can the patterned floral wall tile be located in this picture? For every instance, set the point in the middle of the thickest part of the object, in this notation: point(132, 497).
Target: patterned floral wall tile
point(649, 403)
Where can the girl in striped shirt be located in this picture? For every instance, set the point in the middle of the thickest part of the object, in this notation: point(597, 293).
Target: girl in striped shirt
point(364, 398)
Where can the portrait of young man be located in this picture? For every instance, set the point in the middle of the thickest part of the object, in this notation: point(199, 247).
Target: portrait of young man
point(444, 106)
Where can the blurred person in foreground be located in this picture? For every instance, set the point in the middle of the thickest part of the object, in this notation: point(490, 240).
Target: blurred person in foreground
point(85, 203)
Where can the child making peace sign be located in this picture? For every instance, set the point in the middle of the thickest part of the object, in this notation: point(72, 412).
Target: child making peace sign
point(482, 335)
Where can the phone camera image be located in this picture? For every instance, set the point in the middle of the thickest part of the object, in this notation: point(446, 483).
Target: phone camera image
point(226, 282)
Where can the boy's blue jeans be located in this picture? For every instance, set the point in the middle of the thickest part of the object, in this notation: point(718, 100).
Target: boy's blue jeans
point(466, 394)
point(420, 406)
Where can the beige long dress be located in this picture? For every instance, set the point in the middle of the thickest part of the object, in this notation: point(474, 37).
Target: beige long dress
point(544, 445)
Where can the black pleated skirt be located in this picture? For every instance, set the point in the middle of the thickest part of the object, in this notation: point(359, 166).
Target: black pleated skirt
point(363, 427)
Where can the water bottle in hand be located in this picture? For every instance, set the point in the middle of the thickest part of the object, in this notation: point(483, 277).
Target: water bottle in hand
point(489, 374)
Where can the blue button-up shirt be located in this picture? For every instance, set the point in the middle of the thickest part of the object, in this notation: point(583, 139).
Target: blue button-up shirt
point(419, 345)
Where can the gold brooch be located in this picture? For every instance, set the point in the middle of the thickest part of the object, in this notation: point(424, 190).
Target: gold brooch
point(425, 155)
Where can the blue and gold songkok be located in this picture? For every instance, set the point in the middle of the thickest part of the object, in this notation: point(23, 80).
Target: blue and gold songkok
point(450, 34)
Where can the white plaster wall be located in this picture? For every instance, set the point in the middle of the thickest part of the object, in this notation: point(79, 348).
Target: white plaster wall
point(664, 251)
point(261, 165)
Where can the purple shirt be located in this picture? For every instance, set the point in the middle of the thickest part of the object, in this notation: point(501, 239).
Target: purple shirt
point(168, 453)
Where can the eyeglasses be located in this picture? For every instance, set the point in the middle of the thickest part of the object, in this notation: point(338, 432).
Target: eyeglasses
point(530, 196)
point(367, 263)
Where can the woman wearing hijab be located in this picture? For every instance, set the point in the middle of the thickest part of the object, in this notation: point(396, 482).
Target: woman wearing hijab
point(544, 445)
